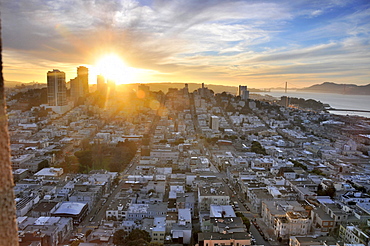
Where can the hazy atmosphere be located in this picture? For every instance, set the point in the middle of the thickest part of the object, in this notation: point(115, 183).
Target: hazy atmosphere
point(257, 43)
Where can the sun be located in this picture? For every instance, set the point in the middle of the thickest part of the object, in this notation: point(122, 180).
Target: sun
point(112, 67)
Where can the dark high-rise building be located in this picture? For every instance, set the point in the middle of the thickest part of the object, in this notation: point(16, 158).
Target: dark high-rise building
point(80, 84)
point(145, 145)
point(57, 90)
point(101, 85)
point(83, 77)
point(75, 89)
point(284, 101)
point(243, 92)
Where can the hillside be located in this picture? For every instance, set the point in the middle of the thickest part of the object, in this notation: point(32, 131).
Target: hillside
point(192, 86)
point(11, 84)
point(163, 86)
point(330, 87)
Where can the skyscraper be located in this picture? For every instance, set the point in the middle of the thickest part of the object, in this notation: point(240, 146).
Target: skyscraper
point(80, 84)
point(243, 92)
point(101, 86)
point(57, 90)
point(214, 122)
point(83, 77)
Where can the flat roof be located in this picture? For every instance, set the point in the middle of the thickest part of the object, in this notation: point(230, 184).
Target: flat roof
point(72, 208)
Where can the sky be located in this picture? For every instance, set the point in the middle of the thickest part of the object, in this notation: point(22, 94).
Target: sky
point(257, 43)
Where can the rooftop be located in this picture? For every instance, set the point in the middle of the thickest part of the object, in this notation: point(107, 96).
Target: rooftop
point(73, 208)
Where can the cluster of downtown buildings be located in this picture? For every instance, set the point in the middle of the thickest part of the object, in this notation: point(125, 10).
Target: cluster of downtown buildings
point(194, 170)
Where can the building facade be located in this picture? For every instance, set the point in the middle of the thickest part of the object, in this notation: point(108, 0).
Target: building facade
point(57, 90)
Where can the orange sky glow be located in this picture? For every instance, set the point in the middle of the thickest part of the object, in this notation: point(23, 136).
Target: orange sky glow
point(259, 44)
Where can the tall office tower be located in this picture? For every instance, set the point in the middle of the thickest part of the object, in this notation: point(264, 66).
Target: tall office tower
point(284, 101)
point(75, 89)
point(111, 84)
point(101, 86)
point(145, 145)
point(214, 123)
point(243, 92)
point(83, 78)
point(57, 90)
point(80, 84)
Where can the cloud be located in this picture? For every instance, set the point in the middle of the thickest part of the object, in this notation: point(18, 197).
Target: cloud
point(191, 39)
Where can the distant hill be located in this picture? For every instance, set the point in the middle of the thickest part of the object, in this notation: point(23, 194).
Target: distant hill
point(163, 86)
point(160, 86)
point(330, 87)
point(11, 84)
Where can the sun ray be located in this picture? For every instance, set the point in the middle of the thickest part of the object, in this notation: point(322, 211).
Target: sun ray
point(112, 67)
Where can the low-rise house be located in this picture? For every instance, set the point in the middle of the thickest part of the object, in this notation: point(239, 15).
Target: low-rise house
point(293, 224)
point(336, 212)
point(56, 229)
point(181, 233)
point(129, 225)
point(140, 211)
point(257, 196)
point(351, 234)
point(355, 197)
point(49, 172)
point(25, 204)
point(20, 174)
point(322, 222)
point(313, 241)
point(44, 208)
point(271, 210)
point(186, 200)
point(215, 238)
point(116, 211)
point(75, 210)
point(212, 195)
point(158, 230)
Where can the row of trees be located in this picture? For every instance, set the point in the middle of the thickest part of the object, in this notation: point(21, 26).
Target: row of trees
point(245, 220)
point(258, 148)
point(135, 238)
point(101, 156)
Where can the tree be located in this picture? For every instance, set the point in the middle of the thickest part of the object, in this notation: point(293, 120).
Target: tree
point(77, 242)
point(8, 224)
point(245, 220)
point(138, 237)
point(85, 159)
point(257, 148)
point(155, 244)
point(138, 242)
point(330, 191)
point(88, 232)
point(118, 237)
point(298, 164)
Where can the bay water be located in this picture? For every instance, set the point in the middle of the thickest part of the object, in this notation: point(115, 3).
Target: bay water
point(338, 101)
